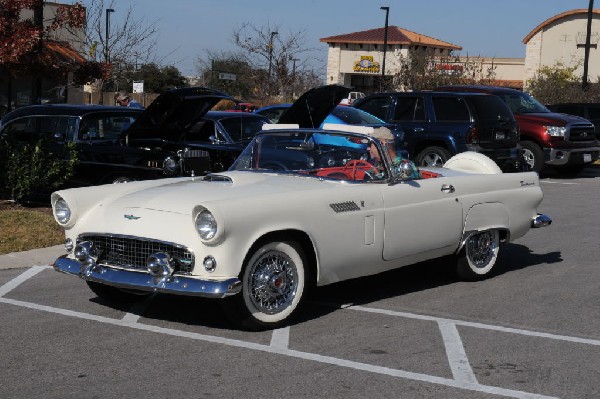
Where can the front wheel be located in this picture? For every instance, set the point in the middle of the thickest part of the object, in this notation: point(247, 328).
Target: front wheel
point(533, 155)
point(273, 283)
point(479, 256)
point(433, 156)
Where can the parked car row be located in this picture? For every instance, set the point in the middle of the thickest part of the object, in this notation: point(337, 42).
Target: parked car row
point(178, 135)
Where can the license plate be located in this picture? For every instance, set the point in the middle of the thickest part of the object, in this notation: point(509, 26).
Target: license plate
point(587, 157)
point(500, 135)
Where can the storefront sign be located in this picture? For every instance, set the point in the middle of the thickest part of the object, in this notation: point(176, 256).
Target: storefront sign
point(366, 64)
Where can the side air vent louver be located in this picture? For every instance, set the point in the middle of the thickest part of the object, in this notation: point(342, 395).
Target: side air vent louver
point(194, 154)
point(349, 206)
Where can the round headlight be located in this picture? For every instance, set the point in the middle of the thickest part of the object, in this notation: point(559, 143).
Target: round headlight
point(169, 166)
point(206, 225)
point(62, 212)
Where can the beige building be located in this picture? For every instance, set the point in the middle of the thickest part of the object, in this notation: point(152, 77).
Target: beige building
point(561, 39)
point(356, 59)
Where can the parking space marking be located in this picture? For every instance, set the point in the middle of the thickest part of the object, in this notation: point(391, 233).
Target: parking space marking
point(280, 338)
point(277, 346)
point(137, 310)
point(15, 282)
point(457, 357)
point(482, 326)
point(560, 182)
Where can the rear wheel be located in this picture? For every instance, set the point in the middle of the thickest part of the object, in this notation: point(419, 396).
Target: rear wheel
point(433, 156)
point(479, 255)
point(533, 155)
point(273, 282)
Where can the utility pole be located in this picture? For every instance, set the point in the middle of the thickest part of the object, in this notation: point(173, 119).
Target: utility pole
point(38, 21)
point(385, 39)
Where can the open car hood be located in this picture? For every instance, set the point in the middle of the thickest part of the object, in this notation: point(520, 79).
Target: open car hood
point(173, 113)
point(311, 109)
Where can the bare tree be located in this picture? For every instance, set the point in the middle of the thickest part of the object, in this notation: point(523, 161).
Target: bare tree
point(125, 44)
point(282, 54)
point(423, 70)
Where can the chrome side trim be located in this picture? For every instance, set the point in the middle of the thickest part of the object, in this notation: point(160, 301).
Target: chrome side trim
point(541, 220)
point(143, 281)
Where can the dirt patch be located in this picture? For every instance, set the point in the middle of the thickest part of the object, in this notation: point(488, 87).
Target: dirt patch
point(9, 205)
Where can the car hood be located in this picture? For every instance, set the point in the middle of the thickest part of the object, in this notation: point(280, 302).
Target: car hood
point(182, 195)
point(173, 113)
point(311, 109)
point(550, 117)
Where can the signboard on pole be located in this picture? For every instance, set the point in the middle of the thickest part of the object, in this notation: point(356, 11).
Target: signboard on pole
point(227, 76)
point(138, 86)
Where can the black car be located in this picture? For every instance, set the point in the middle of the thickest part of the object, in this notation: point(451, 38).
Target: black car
point(438, 125)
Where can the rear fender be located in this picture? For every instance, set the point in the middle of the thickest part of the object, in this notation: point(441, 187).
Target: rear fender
point(487, 216)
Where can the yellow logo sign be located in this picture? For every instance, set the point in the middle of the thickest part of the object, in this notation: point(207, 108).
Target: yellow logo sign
point(366, 64)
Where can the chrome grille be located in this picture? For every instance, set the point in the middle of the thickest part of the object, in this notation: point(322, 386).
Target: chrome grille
point(132, 252)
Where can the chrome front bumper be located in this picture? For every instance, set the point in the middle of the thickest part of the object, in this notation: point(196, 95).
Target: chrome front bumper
point(142, 281)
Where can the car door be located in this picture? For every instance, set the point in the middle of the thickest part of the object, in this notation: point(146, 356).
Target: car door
point(421, 216)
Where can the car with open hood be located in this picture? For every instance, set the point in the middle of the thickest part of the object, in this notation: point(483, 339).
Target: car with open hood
point(177, 135)
point(300, 207)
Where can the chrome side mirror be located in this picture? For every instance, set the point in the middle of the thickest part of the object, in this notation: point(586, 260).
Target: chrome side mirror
point(406, 170)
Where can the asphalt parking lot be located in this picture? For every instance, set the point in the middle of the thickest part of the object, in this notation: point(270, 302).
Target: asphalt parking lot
point(530, 331)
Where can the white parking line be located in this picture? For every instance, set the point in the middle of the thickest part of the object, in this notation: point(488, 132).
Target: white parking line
point(280, 341)
point(482, 326)
point(137, 310)
point(560, 182)
point(287, 352)
point(280, 338)
point(15, 282)
point(457, 358)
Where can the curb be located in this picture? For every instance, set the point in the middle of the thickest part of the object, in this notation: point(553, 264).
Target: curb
point(33, 257)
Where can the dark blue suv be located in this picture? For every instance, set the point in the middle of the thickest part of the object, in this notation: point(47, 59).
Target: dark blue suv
point(438, 125)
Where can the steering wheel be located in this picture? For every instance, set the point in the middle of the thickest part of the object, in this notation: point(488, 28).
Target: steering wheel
point(367, 168)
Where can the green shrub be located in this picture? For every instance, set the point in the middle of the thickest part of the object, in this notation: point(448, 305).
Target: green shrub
point(31, 169)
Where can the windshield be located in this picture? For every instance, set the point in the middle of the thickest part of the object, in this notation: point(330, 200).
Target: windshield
point(242, 129)
point(523, 103)
point(342, 156)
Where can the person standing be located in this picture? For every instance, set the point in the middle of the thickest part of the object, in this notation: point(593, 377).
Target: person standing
point(125, 101)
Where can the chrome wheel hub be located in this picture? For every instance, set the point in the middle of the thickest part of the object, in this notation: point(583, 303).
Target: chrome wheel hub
point(529, 158)
point(433, 159)
point(480, 249)
point(273, 282)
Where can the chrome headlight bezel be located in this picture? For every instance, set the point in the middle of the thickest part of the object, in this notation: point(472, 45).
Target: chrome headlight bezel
point(61, 210)
point(206, 225)
point(209, 225)
point(556, 131)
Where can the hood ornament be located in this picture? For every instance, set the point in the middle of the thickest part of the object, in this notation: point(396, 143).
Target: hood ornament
point(131, 217)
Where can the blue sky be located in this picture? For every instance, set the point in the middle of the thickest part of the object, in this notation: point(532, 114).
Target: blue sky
point(491, 28)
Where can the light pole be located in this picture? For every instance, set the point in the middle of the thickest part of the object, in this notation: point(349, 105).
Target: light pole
point(271, 52)
point(385, 39)
point(106, 52)
point(586, 59)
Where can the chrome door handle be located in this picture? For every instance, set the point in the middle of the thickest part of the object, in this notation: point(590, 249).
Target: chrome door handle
point(419, 129)
point(448, 188)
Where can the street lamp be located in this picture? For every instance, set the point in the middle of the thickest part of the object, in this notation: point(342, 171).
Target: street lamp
point(271, 52)
point(108, 11)
point(385, 38)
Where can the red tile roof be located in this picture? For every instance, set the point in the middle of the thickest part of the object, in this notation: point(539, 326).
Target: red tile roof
point(396, 35)
point(63, 51)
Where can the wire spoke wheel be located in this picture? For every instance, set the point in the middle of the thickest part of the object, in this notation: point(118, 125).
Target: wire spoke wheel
point(478, 257)
point(273, 282)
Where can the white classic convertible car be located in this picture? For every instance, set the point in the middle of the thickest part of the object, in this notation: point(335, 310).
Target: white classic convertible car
point(300, 207)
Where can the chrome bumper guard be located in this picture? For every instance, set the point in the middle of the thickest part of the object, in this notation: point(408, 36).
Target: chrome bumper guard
point(174, 284)
point(541, 220)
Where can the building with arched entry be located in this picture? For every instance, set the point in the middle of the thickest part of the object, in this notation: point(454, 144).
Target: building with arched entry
point(561, 39)
point(355, 59)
